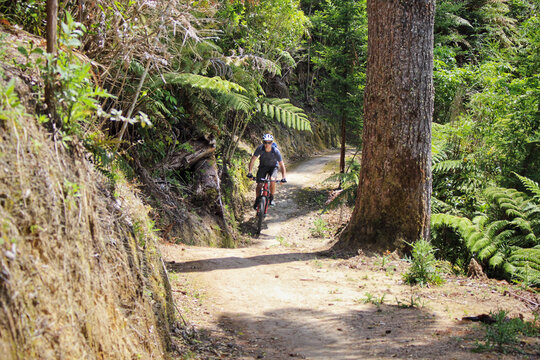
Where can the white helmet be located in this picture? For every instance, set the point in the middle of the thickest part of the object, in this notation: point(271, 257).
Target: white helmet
point(267, 137)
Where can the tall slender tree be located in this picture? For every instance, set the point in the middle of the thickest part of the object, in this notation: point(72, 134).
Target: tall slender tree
point(340, 55)
point(51, 30)
point(393, 201)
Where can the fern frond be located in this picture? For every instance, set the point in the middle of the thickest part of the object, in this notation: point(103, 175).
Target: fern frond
point(497, 259)
point(287, 58)
point(480, 221)
point(484, 247)
point(285, 112)
point(448, 166)
point(202, 82)
point(495, 227)
point(530, 185)
point(504, 236)
point(521, 241)
point(255, 62)
point(522, 224)
point(438, 206)
point(513, 212)
point(237, 101)
point(487, 251)
point(531, 255)
point(438, 154)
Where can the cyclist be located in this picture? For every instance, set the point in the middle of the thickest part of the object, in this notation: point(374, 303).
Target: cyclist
point(270, 159)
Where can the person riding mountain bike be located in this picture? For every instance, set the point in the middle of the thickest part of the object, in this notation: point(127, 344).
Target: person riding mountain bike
point(270, 159)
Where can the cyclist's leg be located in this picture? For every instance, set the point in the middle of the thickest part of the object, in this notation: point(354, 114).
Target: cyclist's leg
point(261, 174)
point(273, 175)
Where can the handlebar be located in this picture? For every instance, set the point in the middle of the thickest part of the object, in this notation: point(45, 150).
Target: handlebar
point(264, 180)
point(268, 180)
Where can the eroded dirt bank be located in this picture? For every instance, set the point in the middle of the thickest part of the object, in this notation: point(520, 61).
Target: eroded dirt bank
point(280, 298)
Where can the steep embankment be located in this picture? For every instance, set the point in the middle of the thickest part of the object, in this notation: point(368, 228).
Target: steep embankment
point(80, 274)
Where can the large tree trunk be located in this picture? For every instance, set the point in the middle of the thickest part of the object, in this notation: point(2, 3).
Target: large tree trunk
point(393, 202)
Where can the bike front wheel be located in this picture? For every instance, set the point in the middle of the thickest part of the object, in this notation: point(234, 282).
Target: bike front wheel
point(260, 213)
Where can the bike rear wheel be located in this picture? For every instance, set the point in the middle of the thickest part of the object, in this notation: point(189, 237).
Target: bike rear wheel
point(260, 213)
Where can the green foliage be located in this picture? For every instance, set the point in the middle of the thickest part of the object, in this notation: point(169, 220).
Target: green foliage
point(265, 28)
point(202, 82)
point(531, 186)
point(286, 113)
point(486, 88)
point(503, 335)
point(340, 55)
point(506, 237)
point(320, 227)
point(371, 299)
point(29, 14)
point(75, 96)
point(348, 183)
point(415, 301)
point(423, 270)
point(11, 108)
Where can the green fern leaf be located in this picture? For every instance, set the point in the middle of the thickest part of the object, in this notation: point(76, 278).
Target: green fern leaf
point(530, 185)
point(237, 101)
point(472, 239)
point(495, 227)
point(448, 166)
point(496, 260)
point(522, 224)
point(202, 82)
point(480, 221)
point(288, 114)
point(487, 251)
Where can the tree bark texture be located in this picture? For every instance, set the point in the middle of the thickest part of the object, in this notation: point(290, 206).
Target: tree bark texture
point(393, 198)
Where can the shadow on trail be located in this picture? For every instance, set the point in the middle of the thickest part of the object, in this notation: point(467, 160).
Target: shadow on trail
point(237, 262)
point(385, 332)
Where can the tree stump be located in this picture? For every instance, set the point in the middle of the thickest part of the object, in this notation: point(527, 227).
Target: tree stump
point(475, 271)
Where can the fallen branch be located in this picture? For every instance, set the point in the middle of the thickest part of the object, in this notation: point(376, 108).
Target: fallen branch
point(533, 303)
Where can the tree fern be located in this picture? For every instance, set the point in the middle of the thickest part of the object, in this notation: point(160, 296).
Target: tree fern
point(507, 237)
point(229, 94)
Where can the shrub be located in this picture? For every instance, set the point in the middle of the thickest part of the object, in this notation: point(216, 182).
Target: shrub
point(423, 270)
point(504, 332)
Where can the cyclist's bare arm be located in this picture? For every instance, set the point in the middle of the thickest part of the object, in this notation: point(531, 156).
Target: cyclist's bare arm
point(251, 163)
point(283, 170)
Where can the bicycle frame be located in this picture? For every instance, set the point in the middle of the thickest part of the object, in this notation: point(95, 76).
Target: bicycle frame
point(265, 192)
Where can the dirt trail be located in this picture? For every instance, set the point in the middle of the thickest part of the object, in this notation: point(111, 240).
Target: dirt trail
point(280, 299)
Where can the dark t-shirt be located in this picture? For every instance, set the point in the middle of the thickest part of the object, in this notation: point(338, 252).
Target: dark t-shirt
point(268, 159)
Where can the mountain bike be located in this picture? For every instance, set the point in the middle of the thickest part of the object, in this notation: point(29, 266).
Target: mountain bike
point(262, 203)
